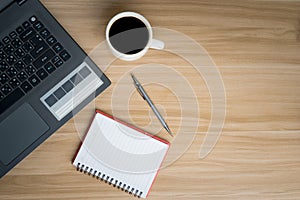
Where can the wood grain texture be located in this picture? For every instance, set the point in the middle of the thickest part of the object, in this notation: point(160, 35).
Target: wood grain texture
point(255, 45)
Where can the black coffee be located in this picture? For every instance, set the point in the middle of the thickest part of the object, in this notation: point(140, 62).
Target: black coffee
point(129, 35)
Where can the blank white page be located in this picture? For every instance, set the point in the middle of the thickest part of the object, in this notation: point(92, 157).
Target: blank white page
point(121, 155)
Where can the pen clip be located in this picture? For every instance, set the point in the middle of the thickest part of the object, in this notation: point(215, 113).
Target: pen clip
point(138, 86)
point(139, 90)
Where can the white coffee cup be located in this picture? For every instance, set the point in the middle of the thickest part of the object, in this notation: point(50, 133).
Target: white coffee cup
point(151, 43)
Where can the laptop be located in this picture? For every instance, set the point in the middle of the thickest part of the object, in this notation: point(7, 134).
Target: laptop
point(45, 78)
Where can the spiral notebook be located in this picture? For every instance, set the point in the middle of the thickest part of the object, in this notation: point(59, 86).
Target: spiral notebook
point(121, 155)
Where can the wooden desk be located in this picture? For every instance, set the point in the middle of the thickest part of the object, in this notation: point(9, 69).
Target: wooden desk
point(256, 46)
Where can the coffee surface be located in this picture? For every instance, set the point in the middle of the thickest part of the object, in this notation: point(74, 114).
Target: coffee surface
point(129, 35)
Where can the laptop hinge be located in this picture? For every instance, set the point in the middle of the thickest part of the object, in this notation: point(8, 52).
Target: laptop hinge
point(20, 2)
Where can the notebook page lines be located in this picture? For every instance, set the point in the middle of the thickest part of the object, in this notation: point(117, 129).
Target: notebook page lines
point(121, 153)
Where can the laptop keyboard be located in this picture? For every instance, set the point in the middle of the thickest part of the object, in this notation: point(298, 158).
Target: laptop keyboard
point(28, 55)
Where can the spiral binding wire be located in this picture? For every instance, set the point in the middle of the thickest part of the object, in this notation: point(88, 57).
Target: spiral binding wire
point(109, 180)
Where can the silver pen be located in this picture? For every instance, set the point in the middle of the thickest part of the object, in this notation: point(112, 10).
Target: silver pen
point(143, 93)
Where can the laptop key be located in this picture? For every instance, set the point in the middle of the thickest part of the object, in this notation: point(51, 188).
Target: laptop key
point(30, 70)
point(49, 68)
point(16, 43)
point(39, 49)
point(26, 87)
point(19, 53)
point(51, 40)
point(11, 59)
point(1, 45)
point(55, 59)
point(26, 24)
point(6, 89)
point(65, 55)
point(58, 63)
point(2, 55)
point(11, 99)
point(44, 58)
point(3, 66)
point(42, 74)
point(34, 80)
point(32, 19)
point(38, 26)
point(8, 49)
point(11, 72)
point(45, 33)
point(22, 76)
point(27, 59)
point(14, 83)
point(20, 29)
point(58, 48)
point(36, 40)
point(13, 35)
point(3, 78)
point(27, 47)
point(27, 34)
point(6, 40)
point(1, 96)
point(19, 66)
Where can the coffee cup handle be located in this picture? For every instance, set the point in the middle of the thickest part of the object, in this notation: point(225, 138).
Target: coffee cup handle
point(157, 44)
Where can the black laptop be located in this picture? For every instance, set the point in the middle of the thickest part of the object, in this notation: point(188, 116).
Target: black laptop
point(45, 78)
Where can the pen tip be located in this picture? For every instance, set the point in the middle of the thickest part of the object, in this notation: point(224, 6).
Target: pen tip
point(169, 131)
point(132, 75)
